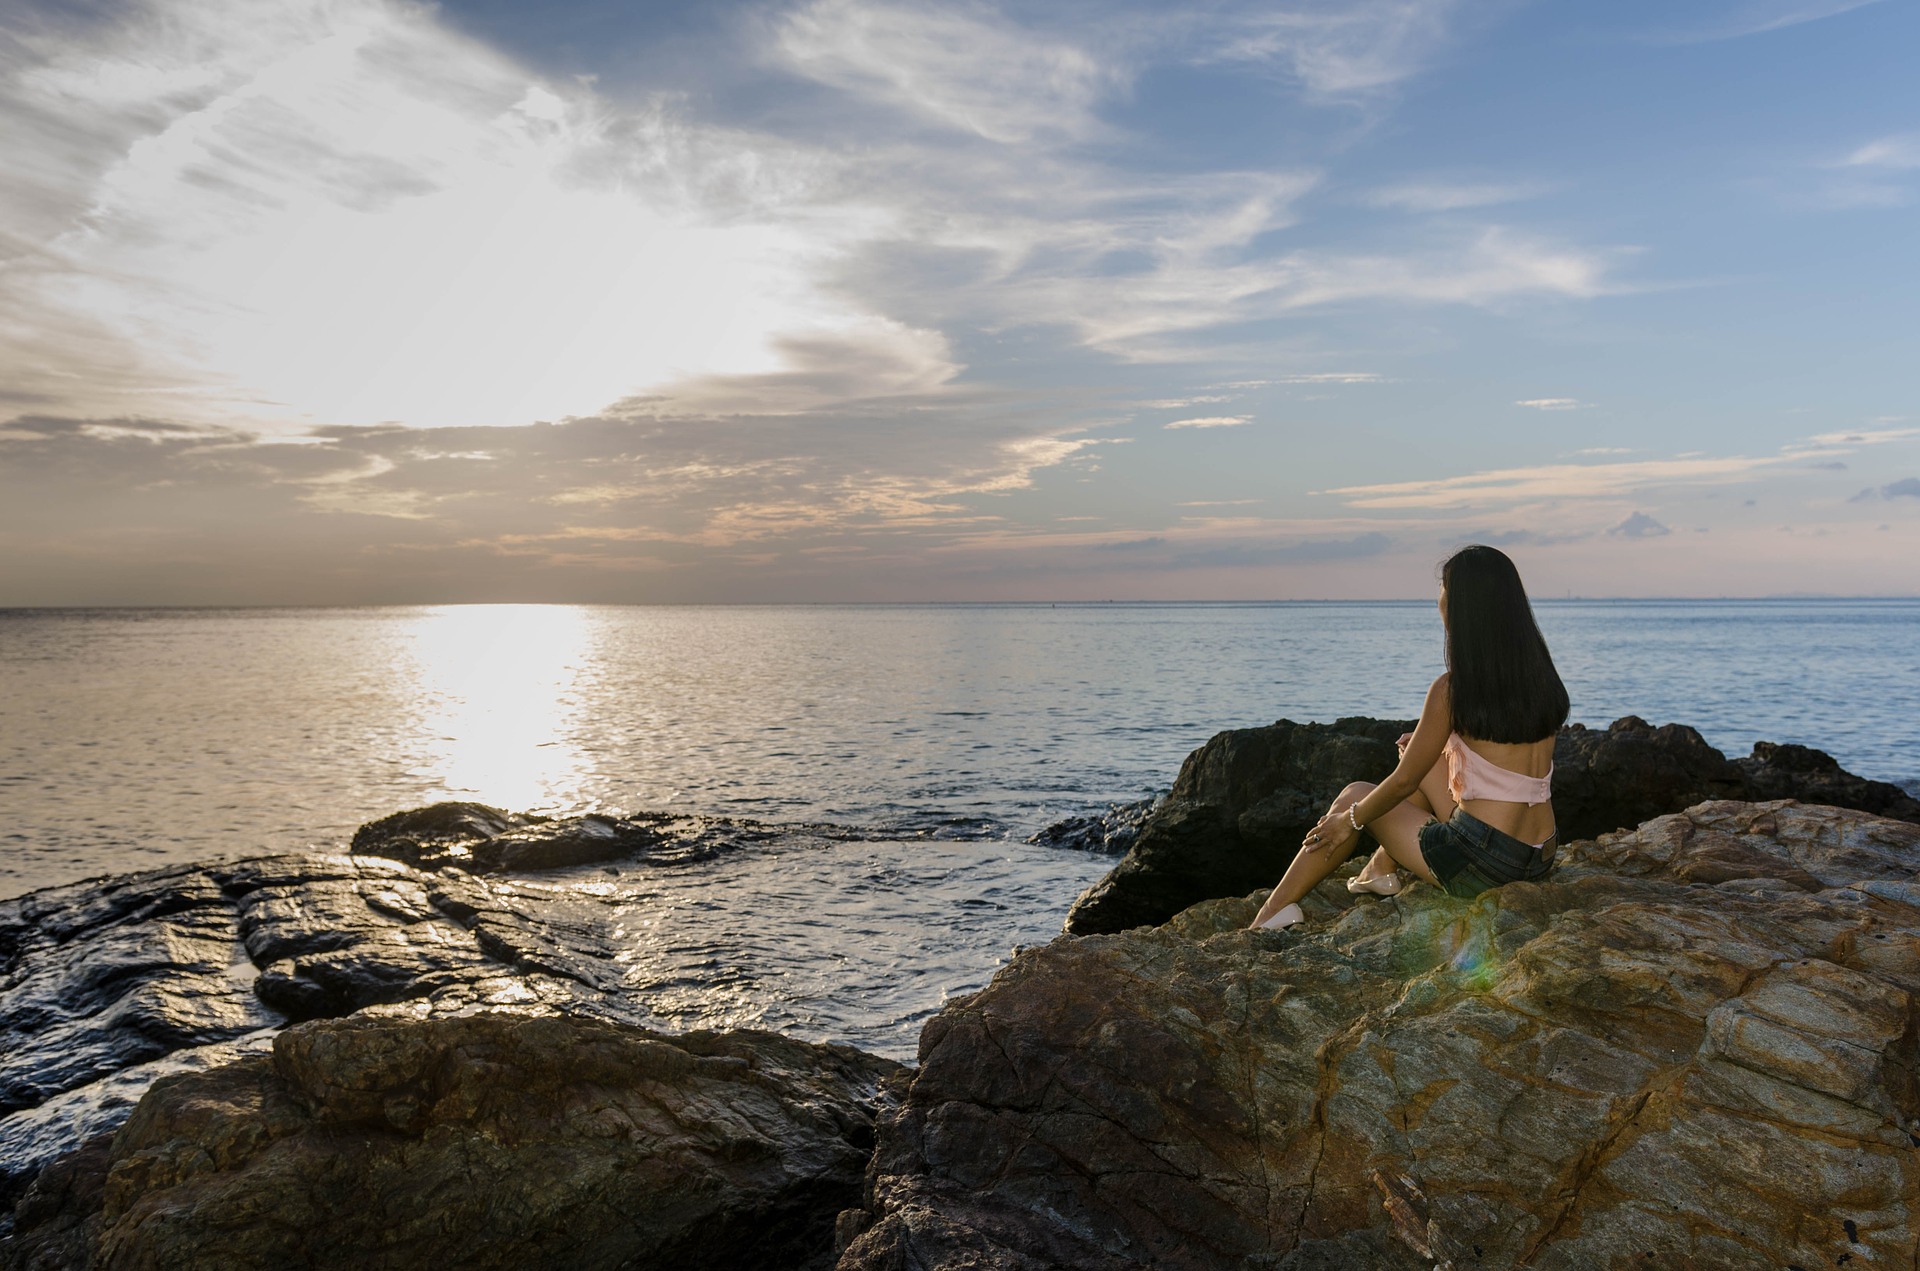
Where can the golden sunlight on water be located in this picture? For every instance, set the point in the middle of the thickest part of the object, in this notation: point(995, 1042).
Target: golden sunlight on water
point(498, 688)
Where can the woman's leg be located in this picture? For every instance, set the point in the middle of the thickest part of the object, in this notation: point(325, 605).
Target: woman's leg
point(1432, 799)
point(1399, 835)
point(1309, 868)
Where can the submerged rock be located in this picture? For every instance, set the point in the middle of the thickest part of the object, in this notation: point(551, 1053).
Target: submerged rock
point(1694, 1044)
point(1244, 801)
point(491, 1140)
point(1112, 831)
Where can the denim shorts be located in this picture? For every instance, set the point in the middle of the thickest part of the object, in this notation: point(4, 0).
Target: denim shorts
point(1469, 856)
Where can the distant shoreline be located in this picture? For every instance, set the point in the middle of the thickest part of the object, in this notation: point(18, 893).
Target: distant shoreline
point(6, 610)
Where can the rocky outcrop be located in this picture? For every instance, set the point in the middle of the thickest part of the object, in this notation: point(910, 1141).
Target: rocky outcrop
point(1244, 801)
point(107, 985)
point(110, 984)
point(1694, 1044)
point(491, 1140)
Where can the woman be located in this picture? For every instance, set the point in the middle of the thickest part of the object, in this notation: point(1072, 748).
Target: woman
point(1484, 817)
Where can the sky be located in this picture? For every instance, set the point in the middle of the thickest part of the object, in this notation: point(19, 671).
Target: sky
point(363, 301)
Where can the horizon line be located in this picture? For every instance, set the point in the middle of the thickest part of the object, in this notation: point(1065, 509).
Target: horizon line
point(1773, 598)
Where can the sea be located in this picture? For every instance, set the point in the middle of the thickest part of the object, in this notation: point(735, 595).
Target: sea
point(946, 734)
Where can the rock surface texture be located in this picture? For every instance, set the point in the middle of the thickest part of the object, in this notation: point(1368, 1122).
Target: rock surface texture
point(1243, 801)
point(1694, 1045)
point(490, 1140)
point(107, 985)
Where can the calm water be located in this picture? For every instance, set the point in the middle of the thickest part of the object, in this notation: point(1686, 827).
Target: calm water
point(132, 738)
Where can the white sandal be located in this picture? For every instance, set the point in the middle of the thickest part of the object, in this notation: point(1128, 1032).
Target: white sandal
point(1286, 917)
point(1385, 885)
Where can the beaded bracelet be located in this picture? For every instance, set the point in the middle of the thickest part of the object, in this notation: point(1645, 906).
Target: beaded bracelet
point(1357, 827)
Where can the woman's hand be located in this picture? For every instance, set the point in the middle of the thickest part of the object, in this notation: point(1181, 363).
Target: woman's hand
point(1332, 833)
point(1401, 744)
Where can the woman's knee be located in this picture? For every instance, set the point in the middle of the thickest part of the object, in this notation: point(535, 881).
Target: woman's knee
point(1356, 791)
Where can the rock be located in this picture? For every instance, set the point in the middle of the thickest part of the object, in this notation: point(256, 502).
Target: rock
point(107, 985)
point(1235, 817)
point(484, 840)
point(1693, 1045)
point(1112, 831)
point(490, 1140)
point(477, 839)
point(1814, 776)
point(1244, 801)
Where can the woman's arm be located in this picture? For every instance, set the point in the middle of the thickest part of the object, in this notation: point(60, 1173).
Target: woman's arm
point(1337, 830)
point(1417, 760)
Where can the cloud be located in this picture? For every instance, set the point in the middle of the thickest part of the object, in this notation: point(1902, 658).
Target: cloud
point(1341, 50)
point(1441, 196)
point(1556, 403)
point(1756, 17)
point(1639, 525)
point(973, 71)
point(1861, 437)
point(1544, 483)
point(1550, 481)
point(1904, 488)
point(1211, 421)
point(344, 212)
point(1604, 450)
point(1898, 152)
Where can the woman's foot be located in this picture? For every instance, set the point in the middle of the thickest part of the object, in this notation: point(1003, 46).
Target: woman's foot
point(1388, 884)
point(1286, 917)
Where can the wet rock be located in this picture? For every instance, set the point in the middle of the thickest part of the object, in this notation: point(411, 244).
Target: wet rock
point(1111, 832)
point(1694, 1044)
point(491, 1140)
point(1244, 801)
point(484, 840)
point(107, 985)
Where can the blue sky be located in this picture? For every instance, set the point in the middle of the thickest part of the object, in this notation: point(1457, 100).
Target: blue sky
point(840, 299)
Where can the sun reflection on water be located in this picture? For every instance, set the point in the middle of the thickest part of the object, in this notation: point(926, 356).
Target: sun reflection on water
point(501, 690)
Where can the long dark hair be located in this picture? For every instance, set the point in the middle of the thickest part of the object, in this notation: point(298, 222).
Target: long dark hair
point(1504, 686)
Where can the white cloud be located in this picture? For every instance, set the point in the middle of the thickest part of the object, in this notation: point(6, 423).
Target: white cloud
point(1555, 403)
point(1544, 483)
point(1211, 421)
point(1442, 196)
point(1901, 151)
point(1862, 436)
point(343, 212)
point(1342, 50)
point(973, 71)
point(1756, 17)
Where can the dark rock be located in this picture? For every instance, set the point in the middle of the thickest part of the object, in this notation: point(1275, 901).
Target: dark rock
point(1112, 831)
point(106, 974)
point(488, 1140)
point(430, 836)
point(58, 1221)
point(1631, 772)
point(484, 840)
point(1244, 801)
point(114, 983)
point(1814, 776)
point(1694, 1044)
point(1235, 817)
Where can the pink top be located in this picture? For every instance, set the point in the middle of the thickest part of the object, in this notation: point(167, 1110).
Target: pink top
point(1471, 775)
